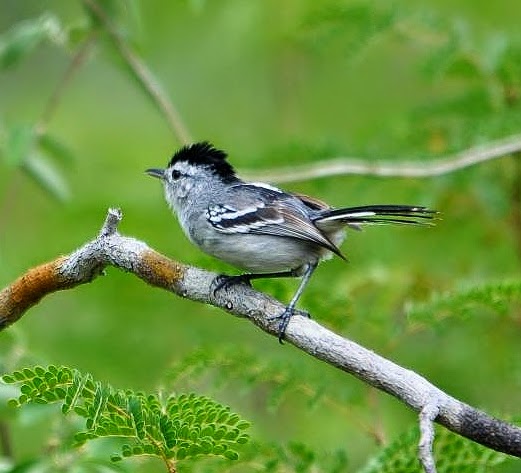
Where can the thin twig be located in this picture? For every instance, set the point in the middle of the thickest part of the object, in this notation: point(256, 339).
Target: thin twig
point(143, 74)
point(77, 61)
point(421, 168)
point(110, 225)
point(426, 418)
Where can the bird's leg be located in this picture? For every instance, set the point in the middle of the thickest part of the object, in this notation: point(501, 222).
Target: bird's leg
point(289, 311)
point(223, 281)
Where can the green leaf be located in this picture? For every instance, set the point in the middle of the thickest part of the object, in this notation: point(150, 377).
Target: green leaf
point(55, 149)
point(231, 455)
point(13, 403)
point(18, 375)
point(223, 417)
point(47, 176)
point(137, 450)
point(453, 453)
point(219, 433)
point(81, 437)
point(136, 410)
point(349, 28)
point(153, 426)
point(50, 397)
point(26, 389)
point(194, 450)
point(182, 453)
point(19, 144)
point(74, 392)
point(233, 419)
point(28, 373)
point(38, 383)
point(126, 450)
point(219, 449)
point(206, 447)
point(8, 379)
point(497, 296)
point(18, 42)
point(232, 434)
point(208, 430)
point(99, 402)
point(243, 424)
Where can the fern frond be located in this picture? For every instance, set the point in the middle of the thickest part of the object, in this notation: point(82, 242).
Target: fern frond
point(496, 296)
point(235, 364)
point(279, 458)
point(176, 428)
point(349, 28)
point(453, 452)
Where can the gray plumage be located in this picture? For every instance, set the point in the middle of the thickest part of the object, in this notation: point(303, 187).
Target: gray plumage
point(258, 227)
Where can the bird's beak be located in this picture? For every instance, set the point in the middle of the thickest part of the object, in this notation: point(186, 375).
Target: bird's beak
point(159, 173)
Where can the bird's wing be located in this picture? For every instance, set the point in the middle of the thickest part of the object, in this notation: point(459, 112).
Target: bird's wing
point(264, 210)
point(312, 202)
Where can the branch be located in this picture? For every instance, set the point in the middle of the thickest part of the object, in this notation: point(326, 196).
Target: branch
point(110, 248)
point(143, 74)
point(420, 168)
point(77, 61)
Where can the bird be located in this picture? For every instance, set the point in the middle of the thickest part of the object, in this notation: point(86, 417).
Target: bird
point(260, 228)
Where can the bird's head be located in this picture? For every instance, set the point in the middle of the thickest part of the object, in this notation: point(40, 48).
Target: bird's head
point(192, 168)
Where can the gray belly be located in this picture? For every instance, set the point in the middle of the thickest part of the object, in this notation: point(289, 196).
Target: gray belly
point(261, 253)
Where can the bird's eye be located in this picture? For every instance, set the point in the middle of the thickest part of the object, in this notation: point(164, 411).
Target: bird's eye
point(176, 174)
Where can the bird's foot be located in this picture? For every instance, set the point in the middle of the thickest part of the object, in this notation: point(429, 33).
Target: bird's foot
point(284, 319)
point(224, 282)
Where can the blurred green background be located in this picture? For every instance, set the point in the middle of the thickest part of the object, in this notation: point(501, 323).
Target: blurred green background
point(275, 84)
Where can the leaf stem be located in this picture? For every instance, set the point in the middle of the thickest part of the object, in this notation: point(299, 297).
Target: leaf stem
point(143, 74)
point(52, 104)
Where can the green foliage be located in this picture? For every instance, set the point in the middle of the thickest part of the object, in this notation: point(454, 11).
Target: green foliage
point(301, 458)
point(488, 104)
point(175, 428)
point(230, 366)
point(37, 155)
point(348, 27)
point(499, 297)
point(23, 38)
point(481, 72)
point(454, 454)
point(271, 458)
point(286, 83)
point(24, 146)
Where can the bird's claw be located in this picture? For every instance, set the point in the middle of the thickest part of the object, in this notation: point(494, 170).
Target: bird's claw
point(284, 319)
point(224, 282)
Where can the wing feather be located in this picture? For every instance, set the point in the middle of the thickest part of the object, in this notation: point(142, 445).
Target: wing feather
point(265, 211)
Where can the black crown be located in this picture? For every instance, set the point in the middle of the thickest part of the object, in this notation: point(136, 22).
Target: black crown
point(205, 154)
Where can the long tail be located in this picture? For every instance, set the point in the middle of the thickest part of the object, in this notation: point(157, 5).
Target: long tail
point(379, 215)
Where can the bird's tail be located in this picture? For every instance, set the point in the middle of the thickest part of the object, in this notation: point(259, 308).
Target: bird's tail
point(378, 215)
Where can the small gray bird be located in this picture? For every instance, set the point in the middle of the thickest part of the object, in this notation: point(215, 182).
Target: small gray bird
point(259, 228)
